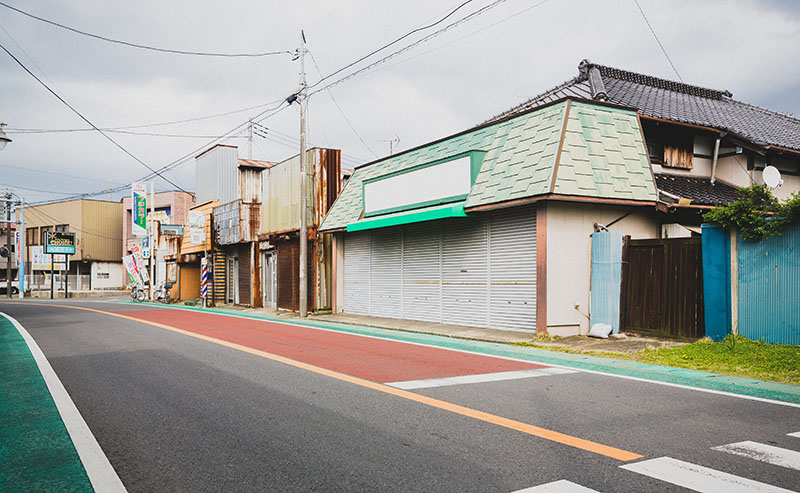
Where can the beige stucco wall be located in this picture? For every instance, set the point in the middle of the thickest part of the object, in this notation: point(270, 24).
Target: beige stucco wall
point(569, 256)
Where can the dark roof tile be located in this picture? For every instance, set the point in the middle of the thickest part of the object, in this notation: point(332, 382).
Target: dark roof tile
point(699, 190)
point(676, 101)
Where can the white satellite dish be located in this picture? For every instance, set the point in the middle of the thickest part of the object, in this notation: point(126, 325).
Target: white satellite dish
point(772, 177)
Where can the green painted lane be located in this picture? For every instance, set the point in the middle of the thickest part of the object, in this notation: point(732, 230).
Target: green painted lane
point(664, 374)
point(36, 451)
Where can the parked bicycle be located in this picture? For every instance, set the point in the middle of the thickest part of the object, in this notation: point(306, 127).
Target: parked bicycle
point(137, 293)
point(162, 293)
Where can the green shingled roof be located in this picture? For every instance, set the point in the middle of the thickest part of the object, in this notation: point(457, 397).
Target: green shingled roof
point(603, 156)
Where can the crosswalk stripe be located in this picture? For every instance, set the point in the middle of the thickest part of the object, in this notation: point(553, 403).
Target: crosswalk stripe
point(698, 478)
point(484, 377)
point(795, 434)
point(561, 486)
point(765, 453)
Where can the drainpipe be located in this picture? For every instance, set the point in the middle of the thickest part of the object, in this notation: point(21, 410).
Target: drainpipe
point(714, 161)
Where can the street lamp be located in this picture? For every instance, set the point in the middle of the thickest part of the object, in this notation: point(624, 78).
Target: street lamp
point(3, 138)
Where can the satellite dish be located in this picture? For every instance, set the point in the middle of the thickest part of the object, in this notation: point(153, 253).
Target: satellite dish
point(772, 177)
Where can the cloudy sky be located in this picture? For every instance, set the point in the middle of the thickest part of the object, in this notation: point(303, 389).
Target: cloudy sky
point(511, 51)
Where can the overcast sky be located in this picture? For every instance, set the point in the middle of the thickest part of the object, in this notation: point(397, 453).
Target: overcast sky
point(449, 83)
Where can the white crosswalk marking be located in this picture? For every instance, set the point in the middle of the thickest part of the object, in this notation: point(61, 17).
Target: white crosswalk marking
point(485, 377)
point(698, 478)
point(765, 453)
point(562, 486)
point(796, 434)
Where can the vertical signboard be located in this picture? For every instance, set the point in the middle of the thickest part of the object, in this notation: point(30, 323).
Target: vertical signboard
point(17, 247)
point(139, 209)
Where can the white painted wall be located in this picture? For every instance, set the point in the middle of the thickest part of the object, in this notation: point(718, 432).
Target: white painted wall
point(569, 256)
point(107, 275)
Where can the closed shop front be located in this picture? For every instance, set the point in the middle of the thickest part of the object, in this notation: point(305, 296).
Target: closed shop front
point(476, 271)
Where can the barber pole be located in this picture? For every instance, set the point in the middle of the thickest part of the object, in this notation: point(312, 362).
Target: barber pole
point(204, 279)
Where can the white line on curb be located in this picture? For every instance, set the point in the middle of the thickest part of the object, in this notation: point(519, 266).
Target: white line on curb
point(98, 468)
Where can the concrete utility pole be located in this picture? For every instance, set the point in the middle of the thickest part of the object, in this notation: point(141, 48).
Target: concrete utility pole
point(8, 243)
point(303, 176)
point(21, 254)
point(151, 230)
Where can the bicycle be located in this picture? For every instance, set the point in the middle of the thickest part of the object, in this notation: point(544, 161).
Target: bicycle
point(137, 293)
point(162, 294)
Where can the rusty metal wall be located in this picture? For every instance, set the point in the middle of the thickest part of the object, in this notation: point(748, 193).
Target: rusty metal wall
point(250, 185)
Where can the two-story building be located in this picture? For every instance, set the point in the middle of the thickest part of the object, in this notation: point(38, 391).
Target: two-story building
point(493, 226)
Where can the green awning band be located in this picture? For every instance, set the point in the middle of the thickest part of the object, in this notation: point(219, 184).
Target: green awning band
point(408, 217)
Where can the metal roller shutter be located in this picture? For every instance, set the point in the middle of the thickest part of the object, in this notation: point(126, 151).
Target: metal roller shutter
point(386, 273)
point(465, 272)
point(512, 291)
point(356, 273)
point(421, 272)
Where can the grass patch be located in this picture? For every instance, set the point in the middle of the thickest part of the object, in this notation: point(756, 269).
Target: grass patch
point(736, 355)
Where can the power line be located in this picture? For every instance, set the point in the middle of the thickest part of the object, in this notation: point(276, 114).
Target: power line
point(340, 108)
point(51, 173)
point(33, 189)
point(390, 44)
point(658, 40)
point(414, 44)
point(20, 131)
point(43, 216)
point(86, 119)
point(146, 47)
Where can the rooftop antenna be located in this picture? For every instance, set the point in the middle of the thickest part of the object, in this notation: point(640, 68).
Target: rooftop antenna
point(392, 142)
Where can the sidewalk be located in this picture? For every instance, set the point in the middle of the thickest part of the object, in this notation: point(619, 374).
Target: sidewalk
point(36, 451)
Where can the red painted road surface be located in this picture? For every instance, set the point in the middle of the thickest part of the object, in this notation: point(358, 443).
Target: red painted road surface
point(377, 360)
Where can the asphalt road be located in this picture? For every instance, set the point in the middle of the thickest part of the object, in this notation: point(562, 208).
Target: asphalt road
point(174, 412)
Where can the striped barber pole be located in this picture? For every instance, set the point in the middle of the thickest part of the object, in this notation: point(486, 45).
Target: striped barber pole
point(204, 278)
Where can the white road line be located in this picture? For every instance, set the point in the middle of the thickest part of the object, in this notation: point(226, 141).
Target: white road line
point(484, 377)
point(698, 478)
point(467, 351)
point(765, 453)
point(795, 434)
point(561, 486)
point(101, 474)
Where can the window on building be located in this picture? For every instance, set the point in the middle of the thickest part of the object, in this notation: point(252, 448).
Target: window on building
point(42, 231)
point(32, 236)
point(669, 146)
point(62, 227)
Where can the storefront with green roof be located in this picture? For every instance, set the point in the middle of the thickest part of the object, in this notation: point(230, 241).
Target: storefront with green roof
point(491, 227)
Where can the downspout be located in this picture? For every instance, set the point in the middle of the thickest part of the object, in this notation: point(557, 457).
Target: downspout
point(714, 161)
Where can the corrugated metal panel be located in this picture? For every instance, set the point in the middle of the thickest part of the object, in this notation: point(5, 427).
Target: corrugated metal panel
point(281, 199)
point(386, 273)
point(769, 283)
point(606, 279)
point(250, 185)
point(465, 272)
point(512, 269)
point(422, 269)
point(217, 175)
point(356, 273)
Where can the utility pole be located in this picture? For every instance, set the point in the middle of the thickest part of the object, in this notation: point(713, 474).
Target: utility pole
point(152, 236)
point(250, 139)
point(21, 254)
point(8, 243)
point(303, 176)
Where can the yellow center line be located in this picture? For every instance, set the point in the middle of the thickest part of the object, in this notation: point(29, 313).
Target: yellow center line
point(536, 431)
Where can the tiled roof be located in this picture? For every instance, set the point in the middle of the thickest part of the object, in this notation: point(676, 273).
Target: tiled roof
point(676, 101)
point(603, 156)
point(699, 190)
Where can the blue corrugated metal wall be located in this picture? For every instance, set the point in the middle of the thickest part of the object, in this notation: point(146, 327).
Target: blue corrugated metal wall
point(606, 281)
point(769, 288)
point(717, 281)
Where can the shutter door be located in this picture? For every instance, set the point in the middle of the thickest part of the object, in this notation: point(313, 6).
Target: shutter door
point(465, 272)
point(386, 273)
point(512, 247)
point(356, 273)
point(421, 271)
